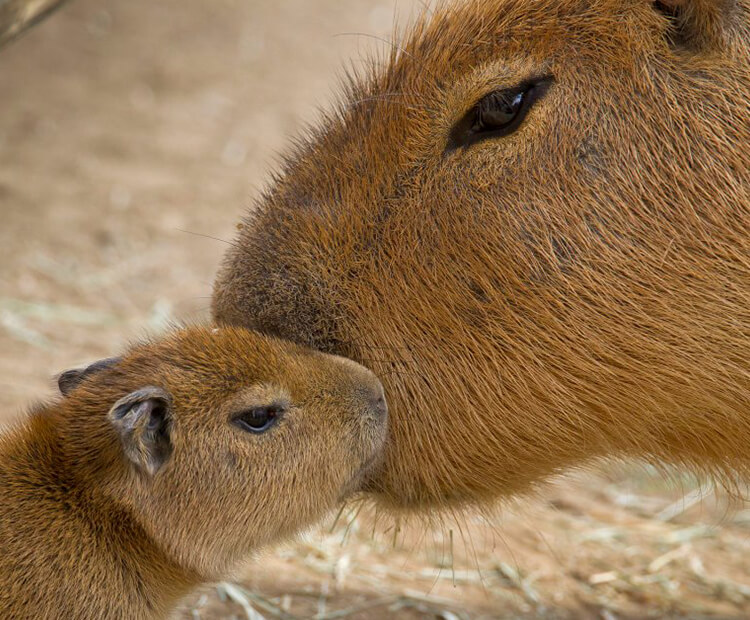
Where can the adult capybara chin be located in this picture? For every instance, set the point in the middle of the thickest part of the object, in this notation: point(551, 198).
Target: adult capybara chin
point(533, 222)
point(167, 468)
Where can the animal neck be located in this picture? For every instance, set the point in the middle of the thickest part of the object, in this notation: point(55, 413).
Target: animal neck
point(68, 549)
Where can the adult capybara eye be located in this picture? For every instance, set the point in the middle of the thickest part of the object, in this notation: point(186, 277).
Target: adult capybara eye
point(258, 419)
point(497, 114)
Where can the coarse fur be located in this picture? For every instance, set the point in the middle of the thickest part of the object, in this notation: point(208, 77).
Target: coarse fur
point(90, 530)
point(575, 290)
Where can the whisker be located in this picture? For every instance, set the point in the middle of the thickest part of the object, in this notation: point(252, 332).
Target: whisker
point(383, 360)
point(197, 234)
point(387, 42)
point(350, 523)
point(338, 516)
point(384, 97)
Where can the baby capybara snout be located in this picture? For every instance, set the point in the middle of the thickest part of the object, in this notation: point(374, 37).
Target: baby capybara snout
point(188, 454)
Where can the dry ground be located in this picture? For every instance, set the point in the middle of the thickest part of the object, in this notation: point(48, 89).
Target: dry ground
point(124, 124)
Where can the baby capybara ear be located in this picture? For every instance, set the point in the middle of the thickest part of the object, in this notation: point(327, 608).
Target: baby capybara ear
point(699, 24)
point(143, 421)
point(69, 380)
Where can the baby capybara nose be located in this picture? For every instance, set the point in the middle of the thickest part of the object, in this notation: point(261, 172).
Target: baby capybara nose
point(377, 400)
point(369, 389)
point(371, 394)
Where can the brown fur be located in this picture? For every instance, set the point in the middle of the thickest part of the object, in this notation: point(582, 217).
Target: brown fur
point(578, 289)
point(84, 533)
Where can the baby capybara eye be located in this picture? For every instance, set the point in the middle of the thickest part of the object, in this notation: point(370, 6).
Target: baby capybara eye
point(258, 419)
point(498, 113)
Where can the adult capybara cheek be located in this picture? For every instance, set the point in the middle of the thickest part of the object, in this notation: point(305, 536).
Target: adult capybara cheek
point(427, 461)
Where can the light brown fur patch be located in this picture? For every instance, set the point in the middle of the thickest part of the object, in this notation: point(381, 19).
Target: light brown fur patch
point(578, 289)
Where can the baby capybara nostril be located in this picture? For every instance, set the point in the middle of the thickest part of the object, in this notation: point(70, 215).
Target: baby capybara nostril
point(375, 397)
point(378, 402)
point(372, 393)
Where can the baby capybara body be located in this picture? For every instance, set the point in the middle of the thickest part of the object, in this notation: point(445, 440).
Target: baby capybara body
point(533, 222)
point(165, 468)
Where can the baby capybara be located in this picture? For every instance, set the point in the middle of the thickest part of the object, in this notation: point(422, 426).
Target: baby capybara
point(168, 467)
point(533, 222)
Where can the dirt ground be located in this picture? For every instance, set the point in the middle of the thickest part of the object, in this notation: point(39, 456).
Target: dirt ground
point(130, 129)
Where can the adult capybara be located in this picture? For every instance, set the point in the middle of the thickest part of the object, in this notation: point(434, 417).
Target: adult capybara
point(166, 468)
point(533, 222)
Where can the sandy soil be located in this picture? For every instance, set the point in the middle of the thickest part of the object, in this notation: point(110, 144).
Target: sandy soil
point(125, 124)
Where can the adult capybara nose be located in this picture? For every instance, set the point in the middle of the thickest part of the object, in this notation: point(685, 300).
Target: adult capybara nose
point(280, 288)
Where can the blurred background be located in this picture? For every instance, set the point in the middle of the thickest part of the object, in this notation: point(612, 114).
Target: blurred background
point(133, 135)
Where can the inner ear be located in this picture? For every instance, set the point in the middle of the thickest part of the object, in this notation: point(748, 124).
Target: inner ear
point(70, 379)
point(143, 421)
point(696, 24)
point(676, 35)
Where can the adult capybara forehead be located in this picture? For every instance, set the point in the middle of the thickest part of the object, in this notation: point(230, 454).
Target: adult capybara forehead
point(458, 36)
point(448, 59)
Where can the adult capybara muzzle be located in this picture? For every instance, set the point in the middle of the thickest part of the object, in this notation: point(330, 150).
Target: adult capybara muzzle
point(533, 223)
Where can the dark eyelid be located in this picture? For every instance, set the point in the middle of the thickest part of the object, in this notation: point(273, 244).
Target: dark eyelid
point(281, 404)
point(237, 418)
point(463, 133)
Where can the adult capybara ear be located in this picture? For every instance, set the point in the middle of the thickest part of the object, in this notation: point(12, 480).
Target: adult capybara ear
point(143, 421)
point(699, 24)
point(69, 380)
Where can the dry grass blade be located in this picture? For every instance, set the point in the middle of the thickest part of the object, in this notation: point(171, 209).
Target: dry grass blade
point(355, 609)
point(656, 565)
point(685, 503)
point(600, 578)
point(512, 575)
point(689, 533)
point(238, 595)
point(263, 603)
point(436, 601)
point(19, 15)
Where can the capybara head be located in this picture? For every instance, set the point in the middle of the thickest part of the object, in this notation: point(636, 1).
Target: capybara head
point(533, 222)
point(220, 441)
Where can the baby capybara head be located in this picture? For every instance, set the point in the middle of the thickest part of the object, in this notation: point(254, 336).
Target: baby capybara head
point(220, 441)
point(532, 223)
